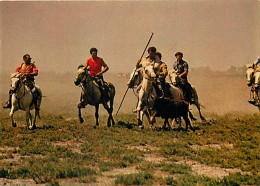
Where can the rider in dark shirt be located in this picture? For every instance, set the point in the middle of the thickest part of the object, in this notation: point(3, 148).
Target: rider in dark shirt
point(182, 68)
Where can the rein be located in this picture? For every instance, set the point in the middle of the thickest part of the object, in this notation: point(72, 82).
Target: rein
point(16, 96)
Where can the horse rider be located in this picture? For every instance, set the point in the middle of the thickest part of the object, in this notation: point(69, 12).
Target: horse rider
point(182, 68)
point(28, 71)
point(94, 65)
point(163, 72)
point(160, 68)
point(256, 66)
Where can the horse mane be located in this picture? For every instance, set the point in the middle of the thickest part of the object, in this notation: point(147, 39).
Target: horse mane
point(16, 74)
point(80, 66)
point(249, 66)
point(257, 69)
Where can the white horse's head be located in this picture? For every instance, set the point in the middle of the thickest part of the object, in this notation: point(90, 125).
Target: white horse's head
point(82, 75)
point(172, 74)
point(136, 78)
point(249, 74)
point(148, 72)
point(15, 81)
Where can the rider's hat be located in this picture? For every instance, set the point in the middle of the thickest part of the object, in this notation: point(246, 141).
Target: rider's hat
point(179, 53)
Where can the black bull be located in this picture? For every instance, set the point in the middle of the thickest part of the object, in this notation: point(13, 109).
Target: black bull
point(168, 109)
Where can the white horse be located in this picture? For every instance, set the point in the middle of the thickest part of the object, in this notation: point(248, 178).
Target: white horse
point(249, 74)
point(22, 99)
point(92, 95)
point(147, 93)
point(173, 75)
point(253, 80)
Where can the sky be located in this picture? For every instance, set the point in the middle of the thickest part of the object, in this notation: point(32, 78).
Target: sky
point(59, 34)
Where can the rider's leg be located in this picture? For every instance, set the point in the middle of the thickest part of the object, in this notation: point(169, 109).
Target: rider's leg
point(103, 89)
point(159, 85)
point(30, 83)
point(191, 93)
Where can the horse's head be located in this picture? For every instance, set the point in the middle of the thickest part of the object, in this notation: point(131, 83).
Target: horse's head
point(148, 72)
point(249, 74)
point(15, 81)
point(135, 79)
point(172, 74)
point(81, 75)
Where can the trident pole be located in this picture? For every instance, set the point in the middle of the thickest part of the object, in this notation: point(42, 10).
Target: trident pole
point(134, 72)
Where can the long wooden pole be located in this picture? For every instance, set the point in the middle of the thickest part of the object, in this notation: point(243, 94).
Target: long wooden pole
point(131, 79)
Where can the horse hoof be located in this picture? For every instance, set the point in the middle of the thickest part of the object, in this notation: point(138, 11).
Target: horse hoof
point(81, 120)
point(141, 127)
point(14, 124)
point(203, 119)
point(108, 125)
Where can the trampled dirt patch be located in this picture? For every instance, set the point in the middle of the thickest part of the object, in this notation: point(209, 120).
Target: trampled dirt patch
point(144, 148)
point(74, 146)
point(212, 146)
point(18, 182)
point(214, 172)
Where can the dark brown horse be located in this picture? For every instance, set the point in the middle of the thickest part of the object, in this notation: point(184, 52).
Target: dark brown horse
point(91, 95)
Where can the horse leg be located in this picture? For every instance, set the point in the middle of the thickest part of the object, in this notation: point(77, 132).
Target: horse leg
point(110, 117)
point(27, 113)
point(12, 115)
point(111, 110)
point(198, 107)
point(192, 117)
point(201, 117)
point(79, 112)
point(34, 120)
point(187, 121)
point(96, 114)
point(146, 113)
point(166, 122)
point(31, 121)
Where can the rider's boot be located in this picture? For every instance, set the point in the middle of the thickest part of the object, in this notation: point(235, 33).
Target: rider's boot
point(160, 92)
point(104, 93)
point(8, 103)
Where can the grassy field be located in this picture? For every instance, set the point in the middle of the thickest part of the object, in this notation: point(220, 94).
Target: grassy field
point(222, 151)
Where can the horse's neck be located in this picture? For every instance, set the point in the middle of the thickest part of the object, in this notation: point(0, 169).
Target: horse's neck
point(90, 88)
point(147, 84)
point(257, 78)
point(22, 90)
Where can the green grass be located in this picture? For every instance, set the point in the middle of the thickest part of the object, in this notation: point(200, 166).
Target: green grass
point(62, 148)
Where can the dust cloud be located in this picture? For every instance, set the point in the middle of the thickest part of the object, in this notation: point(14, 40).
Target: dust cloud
point(219, 92)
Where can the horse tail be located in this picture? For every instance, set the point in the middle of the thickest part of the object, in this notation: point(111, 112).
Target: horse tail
point(38, 114)
point(201, 104)
point(40, 101)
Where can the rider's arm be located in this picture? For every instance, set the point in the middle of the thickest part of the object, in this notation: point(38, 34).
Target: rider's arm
point(35, 71)
point(164, 71)
point(105, 67)
point(183, 74)
point(18, 68)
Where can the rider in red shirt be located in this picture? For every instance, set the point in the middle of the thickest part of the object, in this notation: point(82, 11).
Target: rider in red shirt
point(28, 70)
point(94, 65)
